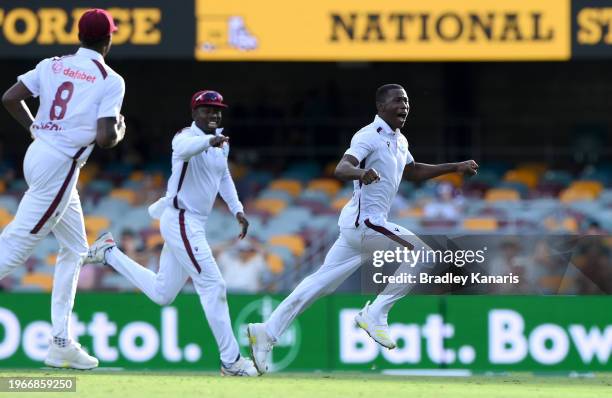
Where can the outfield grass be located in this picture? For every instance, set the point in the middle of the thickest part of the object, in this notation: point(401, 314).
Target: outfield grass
point(120, 384)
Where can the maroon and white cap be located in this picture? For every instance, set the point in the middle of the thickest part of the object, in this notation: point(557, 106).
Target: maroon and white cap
point(207, 98)
point(96, 24)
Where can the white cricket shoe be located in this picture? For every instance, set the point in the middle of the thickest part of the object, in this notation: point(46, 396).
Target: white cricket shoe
point(379, 333)
point(71, 356)
point(260, 344)
point(242, 367)
point(95, 254)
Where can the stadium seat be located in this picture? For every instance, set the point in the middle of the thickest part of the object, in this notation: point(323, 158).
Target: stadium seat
point(327, 185)
point(295, 243)
point(124, 194)
point(573, 195)
point(293, 187)
point(595, 187)
point(272, 206)
point(94, 225)
point(525, 176)
point(455, 179)
point(339, 203)
point(480, 224)
point(275, 263)
point(51, 259)
point(43, 281)
point(153, 240)
point(5, 217)
point(502, 194)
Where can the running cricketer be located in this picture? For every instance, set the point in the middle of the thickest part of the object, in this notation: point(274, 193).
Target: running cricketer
point(199, 173)
point(376, 161)
point(80, 102)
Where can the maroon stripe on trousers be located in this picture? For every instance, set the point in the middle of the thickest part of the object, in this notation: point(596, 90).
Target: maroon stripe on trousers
point(180, 184)
point(60, 194)
point(102, 68)
point(186, 241)
point(388, 234)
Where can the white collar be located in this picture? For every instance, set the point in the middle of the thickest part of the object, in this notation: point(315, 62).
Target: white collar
point(86, 52)
point(384, 127)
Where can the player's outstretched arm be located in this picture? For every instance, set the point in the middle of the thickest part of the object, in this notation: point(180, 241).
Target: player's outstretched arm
point(110, 131)
point(348, 170)
point(421, 171)
point(13, 101)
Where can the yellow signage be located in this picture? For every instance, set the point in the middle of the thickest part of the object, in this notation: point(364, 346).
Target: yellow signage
point(383, 30)
point(47, 26)
point(594, 26)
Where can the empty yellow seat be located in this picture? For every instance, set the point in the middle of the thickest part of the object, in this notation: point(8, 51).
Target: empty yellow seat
point(51, 259)
point(525, 176)
point(574, 195)
point(124, 194)
point(295, 243)
point(96, 222)
point(44, 281)
point(502, 194)
point(154, 240)
point(480, 224)
point(339, 203)
point(137, 175)
point(5, 217)
point(455, 179)
point(327, 185)
point(293, 187)
point(270, 205)
point(595, 187)
point(275, 263)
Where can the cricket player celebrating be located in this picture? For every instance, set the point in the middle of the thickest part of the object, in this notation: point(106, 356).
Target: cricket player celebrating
point(199, 173)
point(80, 103)
point(376, 161)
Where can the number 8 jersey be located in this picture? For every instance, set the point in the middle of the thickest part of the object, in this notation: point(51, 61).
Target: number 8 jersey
point(75, 91)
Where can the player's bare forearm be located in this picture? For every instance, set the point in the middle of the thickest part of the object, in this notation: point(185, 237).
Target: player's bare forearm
point(347, 169)
point(110, 131)
point(13, 101)
point(418, 172)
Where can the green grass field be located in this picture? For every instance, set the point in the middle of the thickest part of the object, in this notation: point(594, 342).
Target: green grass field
point(119, 384)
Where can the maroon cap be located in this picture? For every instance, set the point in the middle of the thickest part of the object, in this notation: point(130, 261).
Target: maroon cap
point(207, 98)
point(96, 24)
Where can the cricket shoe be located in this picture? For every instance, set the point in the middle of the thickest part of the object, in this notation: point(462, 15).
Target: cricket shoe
point(71, 356)
point(242, 367)
point(95, 254)
point(260, 344)
point(379, 333)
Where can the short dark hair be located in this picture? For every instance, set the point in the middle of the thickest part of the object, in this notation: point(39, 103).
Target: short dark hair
point(97, 43)
point(381, 92)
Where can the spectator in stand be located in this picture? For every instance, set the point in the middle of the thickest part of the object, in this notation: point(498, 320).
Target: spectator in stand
point(242, 264)
point(446, 206)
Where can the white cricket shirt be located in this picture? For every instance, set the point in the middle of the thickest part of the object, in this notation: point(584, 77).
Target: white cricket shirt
point(199, 172)
point(376, 146)
point(75, 91)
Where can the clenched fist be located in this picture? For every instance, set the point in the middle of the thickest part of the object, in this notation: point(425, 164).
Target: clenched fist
point(469, 167)
point(369, 176)
point(218, 140)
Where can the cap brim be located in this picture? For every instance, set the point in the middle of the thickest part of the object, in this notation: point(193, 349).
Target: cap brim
point(212, 104)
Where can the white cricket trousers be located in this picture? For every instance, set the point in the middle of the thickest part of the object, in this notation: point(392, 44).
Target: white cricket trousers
point(186, 253)
point(344, 258)
point(51, 204)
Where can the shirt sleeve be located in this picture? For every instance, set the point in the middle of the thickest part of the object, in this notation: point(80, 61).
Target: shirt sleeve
point(185, 146)
point(409, 158)
point(31, 79)
point(227, 190)
point(361, 146)
point(110, 106)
